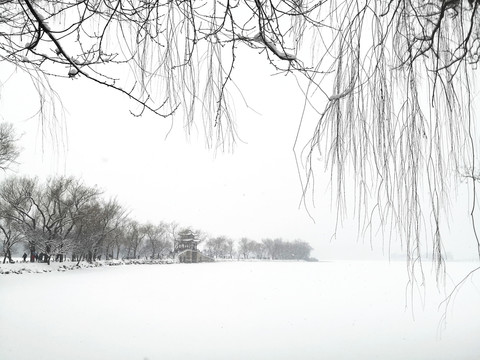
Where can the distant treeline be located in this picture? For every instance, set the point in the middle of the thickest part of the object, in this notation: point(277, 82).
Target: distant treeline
point(278, 249)
point(62, 217)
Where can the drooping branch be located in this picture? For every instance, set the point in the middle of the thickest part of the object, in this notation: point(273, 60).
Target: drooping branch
point(385, 84)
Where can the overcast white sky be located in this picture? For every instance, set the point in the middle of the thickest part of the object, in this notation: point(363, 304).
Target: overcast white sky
point(253, 192)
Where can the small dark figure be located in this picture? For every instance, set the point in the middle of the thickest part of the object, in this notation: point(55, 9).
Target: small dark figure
point(24, 257)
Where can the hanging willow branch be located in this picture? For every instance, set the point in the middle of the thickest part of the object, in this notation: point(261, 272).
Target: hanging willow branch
point(391, 80)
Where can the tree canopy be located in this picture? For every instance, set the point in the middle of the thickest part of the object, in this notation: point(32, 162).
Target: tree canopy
point(390, 84)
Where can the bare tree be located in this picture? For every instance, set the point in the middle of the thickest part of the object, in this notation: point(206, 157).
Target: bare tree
point(157, 242)
point(135, 236)
point(257, 249)
point(219, 247)
point(229, 248)
point(118, 238)
point(47, 214)
point(244, 247)
point(388, 84)
point(301, 250)
point(62, 205)
point(8, 154)
point(111, 217)
point(96, 229)
point(8, 148)
point(173, 229)
point(165, 244)
point(11, 236)
point(269, 248)
point(16, 206)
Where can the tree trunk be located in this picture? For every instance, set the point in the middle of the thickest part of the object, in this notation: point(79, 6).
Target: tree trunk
point(32, 253)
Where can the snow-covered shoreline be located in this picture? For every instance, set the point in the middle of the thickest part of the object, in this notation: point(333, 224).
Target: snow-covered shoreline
point(20, 267)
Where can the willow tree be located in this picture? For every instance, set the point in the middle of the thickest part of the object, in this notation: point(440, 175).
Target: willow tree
point(388, 83)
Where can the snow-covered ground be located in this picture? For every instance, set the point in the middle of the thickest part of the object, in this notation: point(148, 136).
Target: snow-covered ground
point(236, 310)
point(20, 267)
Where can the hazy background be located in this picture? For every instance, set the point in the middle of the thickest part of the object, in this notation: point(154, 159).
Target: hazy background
point(158, 173)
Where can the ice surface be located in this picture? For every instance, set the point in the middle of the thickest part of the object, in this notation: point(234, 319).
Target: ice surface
point(236, 310)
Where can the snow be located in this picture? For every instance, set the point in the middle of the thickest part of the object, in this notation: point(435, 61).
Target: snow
point(237, 310)
point(20, 267)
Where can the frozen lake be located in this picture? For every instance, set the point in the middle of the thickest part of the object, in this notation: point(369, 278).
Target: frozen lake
point(238, 310)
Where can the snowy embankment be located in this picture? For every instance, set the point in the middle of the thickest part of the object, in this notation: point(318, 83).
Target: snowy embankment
point(19, 267)
point(237, 310)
